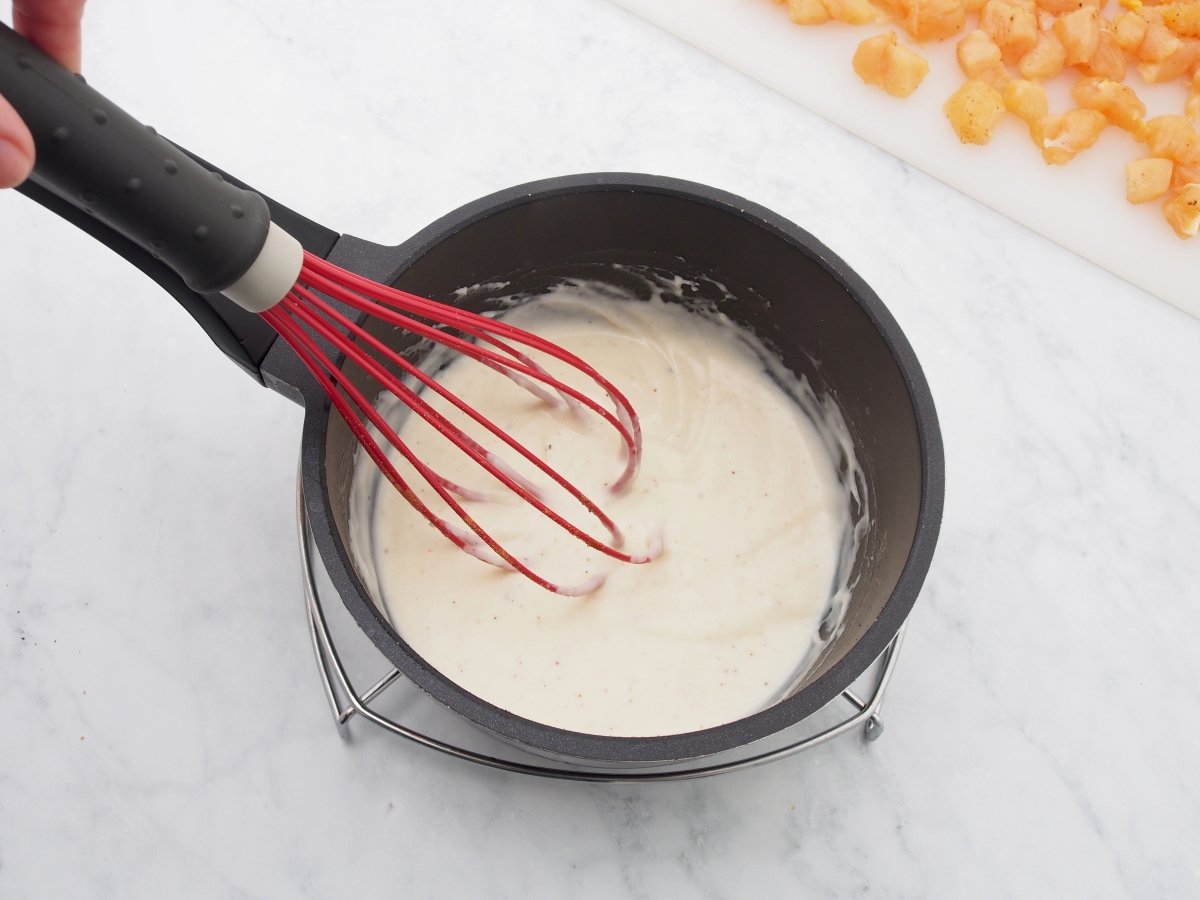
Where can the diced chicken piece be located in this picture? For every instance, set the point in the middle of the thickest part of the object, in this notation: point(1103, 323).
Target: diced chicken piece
point(855, 12)
point(1182, 18)
point(895, 10)
point(1130, 30)
point(1109, 60)
point(1116, 101)
point(973, 111)
point(1062, 7)
point(979, 58)
point(1147, 179)
point(1027, 101)
point(1040, 38)
point(1184, 174)
point(1172, 137)
point(1158, 44)
point(1183, 211)
point(1191, 110)
point(1062, 138)
point(1079, 32)
point(881, 61)
point(808, 12)
point(1045, 60)
point(1013, 28)
point(934, 20)
point(1172, 66)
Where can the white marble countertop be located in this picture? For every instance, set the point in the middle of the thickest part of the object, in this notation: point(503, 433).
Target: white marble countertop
point(163, 730)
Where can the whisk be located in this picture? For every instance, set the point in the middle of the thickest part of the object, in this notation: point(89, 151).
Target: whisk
point(218, 237)
point(302, 317)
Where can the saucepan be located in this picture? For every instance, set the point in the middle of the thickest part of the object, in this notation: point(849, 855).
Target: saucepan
point(769, 275)
point(802, 301)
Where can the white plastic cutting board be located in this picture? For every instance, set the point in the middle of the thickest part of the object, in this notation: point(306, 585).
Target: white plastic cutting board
point(1081, 206)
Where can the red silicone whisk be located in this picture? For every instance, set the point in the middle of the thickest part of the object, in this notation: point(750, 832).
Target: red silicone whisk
point(219, 237)
point(303, 319)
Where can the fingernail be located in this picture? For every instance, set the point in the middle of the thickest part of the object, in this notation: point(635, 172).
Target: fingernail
point(15, 165)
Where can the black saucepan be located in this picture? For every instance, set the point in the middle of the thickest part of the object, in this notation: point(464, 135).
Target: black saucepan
point(821, 318)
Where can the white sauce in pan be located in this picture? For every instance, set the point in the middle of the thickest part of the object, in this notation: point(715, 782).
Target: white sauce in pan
point(738, 481)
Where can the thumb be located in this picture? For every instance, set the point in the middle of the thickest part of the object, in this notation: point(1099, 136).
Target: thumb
point(16, 147)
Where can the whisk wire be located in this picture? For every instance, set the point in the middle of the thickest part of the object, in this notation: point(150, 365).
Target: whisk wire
point(326, 375)
point(303, 319)
point(443, 425)
point(463, 441)
point(398, 307)
point(334, 385)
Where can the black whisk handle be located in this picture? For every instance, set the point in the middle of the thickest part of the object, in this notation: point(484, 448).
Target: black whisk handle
point(93, 154)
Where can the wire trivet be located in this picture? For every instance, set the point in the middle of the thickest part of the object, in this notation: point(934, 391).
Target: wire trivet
point(346, 703)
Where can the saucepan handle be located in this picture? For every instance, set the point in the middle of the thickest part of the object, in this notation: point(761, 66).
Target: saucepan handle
point(192, 228)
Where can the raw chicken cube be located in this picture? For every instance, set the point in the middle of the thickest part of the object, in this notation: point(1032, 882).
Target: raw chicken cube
point(893, 9)
point(881, 61)
point(1062, 7)
point(1130, 30)
point(1183, 211)
point(1158, 44)
point(973, 111)
point(1013, 28)
point(1182, 18)
point(1116, 101)
point(1184, 174)
point(1045, 60)
point(1172, 137)
point(1109, 59)
point(856, 12)
point(1062, 138)
point(1147, 179)
point(1079, 32)
point(808, 12)
point(979, 58)
point(934, 20)
point(1191, 110)
point(1172, 66)
point(1027, 101)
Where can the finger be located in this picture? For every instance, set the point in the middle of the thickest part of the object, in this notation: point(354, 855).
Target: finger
point(16, 147)
point(53, 25)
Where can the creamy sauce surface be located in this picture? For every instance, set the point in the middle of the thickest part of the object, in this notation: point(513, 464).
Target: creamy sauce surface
point(737, 482)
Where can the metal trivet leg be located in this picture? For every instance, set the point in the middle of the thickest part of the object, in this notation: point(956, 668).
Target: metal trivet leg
point(346, 703)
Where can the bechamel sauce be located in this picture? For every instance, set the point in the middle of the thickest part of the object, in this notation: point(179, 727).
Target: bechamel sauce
point(736, 481)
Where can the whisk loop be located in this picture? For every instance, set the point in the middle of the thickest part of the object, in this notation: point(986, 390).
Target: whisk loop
point(304, 319)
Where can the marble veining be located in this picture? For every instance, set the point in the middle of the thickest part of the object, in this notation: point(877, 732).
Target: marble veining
point(163, 728)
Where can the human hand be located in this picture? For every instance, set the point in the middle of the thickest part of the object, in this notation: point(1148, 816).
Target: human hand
point(53, 25)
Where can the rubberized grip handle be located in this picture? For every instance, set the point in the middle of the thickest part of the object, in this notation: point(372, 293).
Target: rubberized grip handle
point(93, 154)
